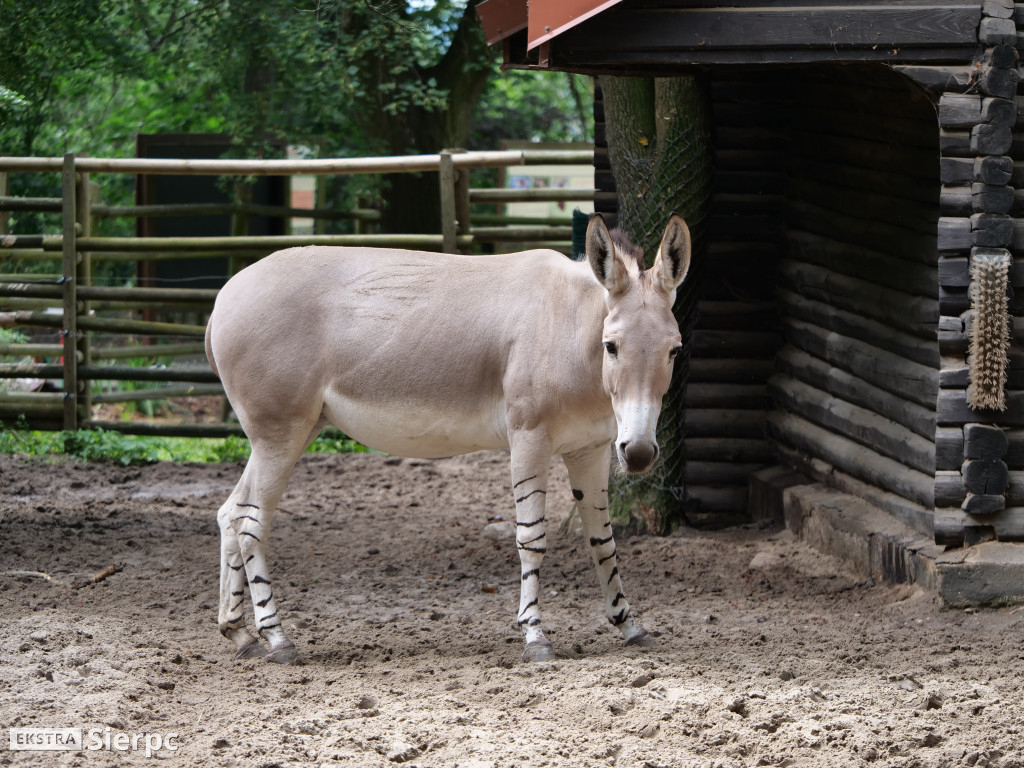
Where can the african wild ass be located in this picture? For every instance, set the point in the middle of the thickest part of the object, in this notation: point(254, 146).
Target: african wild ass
point(428, 355)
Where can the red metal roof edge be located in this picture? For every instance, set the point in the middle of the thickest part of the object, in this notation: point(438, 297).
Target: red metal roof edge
point(502, 18)
point(547, 20)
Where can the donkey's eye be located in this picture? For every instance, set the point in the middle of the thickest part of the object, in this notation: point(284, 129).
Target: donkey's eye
point(611, 348)
point(674, 353)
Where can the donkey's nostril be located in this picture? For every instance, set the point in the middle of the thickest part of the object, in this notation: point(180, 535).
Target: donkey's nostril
point(637, 456)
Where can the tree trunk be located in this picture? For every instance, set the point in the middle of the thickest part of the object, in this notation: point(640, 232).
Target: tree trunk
point(659, 146)
point(413, 201)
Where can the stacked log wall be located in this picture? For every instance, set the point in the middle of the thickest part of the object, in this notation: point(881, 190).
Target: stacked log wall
point(855, 384)
point(737, 333)
point(979, 483)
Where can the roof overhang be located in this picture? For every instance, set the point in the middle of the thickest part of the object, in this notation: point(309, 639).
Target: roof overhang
point(543, 20)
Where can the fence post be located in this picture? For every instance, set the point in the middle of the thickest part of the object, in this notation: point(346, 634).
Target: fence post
point(453, 221)
point(85, 197)
point(69, 251)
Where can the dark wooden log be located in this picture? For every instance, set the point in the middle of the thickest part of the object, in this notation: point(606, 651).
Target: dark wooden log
point(960, 110)
point(984, 441)
point(743, 450)
point(1015, 449)
point(998, 9)
point(953, 301)
point(737, 371)
point(853, 389)
point(956, 201)
point(954, 374)
point(725, 423)
point(954, 233)
point(719, 473)
point(956, 171)
point(955, 143)
point(852, 458)
point(952, 409)
point(997, 31)
point(1002, 56)
point(841, 225)
point(877, 211)
point(924, 351)
point(736, 315)
point(994, 169)
point(892, 178)
point(890, 270)
point(885, 370)
point(991, 230)
point(949, 488)
point(991, 139)
point(954, 527)
point(917, 315)
point(985, 476)
point(949, 448)
point(718, 395)
point(989, 198)
point(953, 342)
point(735, 344)
point(878, 433)
point(999, 111)
point(954, 272)
point(983, 504)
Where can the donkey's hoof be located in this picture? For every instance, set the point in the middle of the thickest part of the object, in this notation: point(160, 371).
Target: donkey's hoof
point(251, 651)
point(642, 640)
point(539, 650)
point(286, 654)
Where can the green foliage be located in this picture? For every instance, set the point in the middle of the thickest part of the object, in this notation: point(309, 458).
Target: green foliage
point(114, 447)
point(532, 105)
point(342, 77)
point(336, 444)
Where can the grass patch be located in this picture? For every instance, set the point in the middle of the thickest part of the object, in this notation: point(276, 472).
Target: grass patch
point(117, 448)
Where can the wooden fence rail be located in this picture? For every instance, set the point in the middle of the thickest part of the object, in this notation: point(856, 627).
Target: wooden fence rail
point(69, 302)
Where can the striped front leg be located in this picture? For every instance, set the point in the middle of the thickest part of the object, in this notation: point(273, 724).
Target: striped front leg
point(588, 475)
point(529, 489)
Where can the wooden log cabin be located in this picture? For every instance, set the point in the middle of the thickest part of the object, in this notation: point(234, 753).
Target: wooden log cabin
point(868, 158)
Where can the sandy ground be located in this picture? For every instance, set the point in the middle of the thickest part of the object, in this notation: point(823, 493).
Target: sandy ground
point(768, 653)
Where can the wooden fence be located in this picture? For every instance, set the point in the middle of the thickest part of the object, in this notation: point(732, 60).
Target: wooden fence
point(74, 307)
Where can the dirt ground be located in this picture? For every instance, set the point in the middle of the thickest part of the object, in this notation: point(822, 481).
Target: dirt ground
point(403, 610)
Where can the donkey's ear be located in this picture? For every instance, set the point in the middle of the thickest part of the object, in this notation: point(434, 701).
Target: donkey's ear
point(673, 260)
point(607, 264)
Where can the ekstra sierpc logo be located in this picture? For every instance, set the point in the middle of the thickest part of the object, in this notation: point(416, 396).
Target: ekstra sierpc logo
point(93, 739)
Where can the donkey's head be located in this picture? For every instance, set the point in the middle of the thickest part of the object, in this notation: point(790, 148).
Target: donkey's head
point(641, 336)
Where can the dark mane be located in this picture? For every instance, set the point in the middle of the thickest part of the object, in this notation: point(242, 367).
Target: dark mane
point(626, 246)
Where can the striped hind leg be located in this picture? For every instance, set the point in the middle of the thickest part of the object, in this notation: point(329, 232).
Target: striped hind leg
point(231, 614)
point(588, 476)
point(244, 521)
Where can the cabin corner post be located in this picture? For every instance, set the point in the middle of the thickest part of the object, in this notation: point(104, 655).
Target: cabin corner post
point(974, 489)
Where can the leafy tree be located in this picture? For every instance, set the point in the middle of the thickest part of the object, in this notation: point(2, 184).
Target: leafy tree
point(346, 77)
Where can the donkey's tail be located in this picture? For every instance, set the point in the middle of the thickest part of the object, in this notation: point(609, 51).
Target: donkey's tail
point(209, 346)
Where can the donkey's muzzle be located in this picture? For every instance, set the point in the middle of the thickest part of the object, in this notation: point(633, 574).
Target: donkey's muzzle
point(637, 455)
